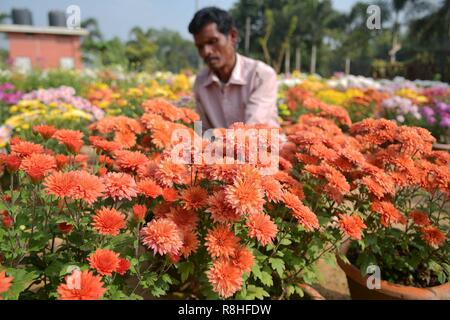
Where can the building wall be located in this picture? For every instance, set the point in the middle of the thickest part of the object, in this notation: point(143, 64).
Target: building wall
point(45, 50)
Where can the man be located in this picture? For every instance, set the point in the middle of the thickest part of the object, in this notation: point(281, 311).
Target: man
point(232, 88)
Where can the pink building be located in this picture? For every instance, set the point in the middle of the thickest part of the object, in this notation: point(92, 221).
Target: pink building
point(44, 47)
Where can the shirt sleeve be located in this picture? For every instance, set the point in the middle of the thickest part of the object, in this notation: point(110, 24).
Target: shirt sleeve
point(262, 107)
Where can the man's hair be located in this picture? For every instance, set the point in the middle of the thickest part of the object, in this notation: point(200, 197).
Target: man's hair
point(203, 17)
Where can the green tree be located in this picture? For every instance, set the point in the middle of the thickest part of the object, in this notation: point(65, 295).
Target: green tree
point(174, 53)
point(92, 44)
point(141, 49)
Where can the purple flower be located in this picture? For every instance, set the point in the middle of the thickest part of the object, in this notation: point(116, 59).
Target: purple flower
point(445, 122)
point(427, 112)
point(443, 107)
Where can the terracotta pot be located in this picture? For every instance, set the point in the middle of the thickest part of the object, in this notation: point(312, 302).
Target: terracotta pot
point(388, 291)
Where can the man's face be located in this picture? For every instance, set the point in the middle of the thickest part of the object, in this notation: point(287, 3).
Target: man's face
point(215, 48)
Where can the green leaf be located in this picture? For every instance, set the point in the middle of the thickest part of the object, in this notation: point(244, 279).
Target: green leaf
point(256, 271)
point(285, 242)
point(21, 280)
point(266, 279)
point(254, 292)
point(278, 265)
point(185, 269)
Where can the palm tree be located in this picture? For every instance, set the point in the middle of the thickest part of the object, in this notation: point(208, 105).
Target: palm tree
point(93, 43)
point(140, 48)
point(433, 27)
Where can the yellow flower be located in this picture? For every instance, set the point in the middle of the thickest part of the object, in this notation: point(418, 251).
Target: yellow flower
point(332, 96)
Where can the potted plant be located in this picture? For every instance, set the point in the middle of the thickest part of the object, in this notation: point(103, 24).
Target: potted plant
point(129, 222)
point(388, 192)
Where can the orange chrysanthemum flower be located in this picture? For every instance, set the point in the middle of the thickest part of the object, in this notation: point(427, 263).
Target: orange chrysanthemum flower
point(420, 218)
point(149, 188)
point(61, 160)
point(81, 286)
point(194, 198)
point(169, 173)
point(272, 189)
point(130, 161)
point(126, 139)
point(139, 212)
point(104, 261)
point(183, 218)
point(162, 236)
point(88, 188)
point(245, 196)
point(221, 242)
point(225, 278)
point(190, 243)
point(261, 227)
point(221, 211)
point(243, 259)
point(124, 266)
point(108, 221)
point(12, 161)
point(25, 148)
point(119, 186)
point(102, 144)
point(303, 214)
point(169, 194)
point(433, 236)
point(352, 226)
point(45, 131)
point(5, 282)
point(72, 139)
point(38, 165)
point(60, 184)
point(389, 214)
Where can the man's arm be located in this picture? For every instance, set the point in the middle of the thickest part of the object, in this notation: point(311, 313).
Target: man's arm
point(262, 104)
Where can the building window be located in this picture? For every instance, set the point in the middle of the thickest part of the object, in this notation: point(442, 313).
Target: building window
point(67, 63)
point(22, 64)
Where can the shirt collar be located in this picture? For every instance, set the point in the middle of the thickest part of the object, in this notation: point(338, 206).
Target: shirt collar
point(237, 75)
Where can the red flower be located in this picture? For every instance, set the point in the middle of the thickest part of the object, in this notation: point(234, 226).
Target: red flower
point(433, 236)
point(11, 161)
point(5, 282)
point(105, 261)
point(124, 266)
point(352, 226)
point(420, 218)
point(139, 212)
point(81, 286)
point(65, 227)
point(45, 131)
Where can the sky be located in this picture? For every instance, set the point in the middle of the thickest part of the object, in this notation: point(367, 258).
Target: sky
point(117, 17)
